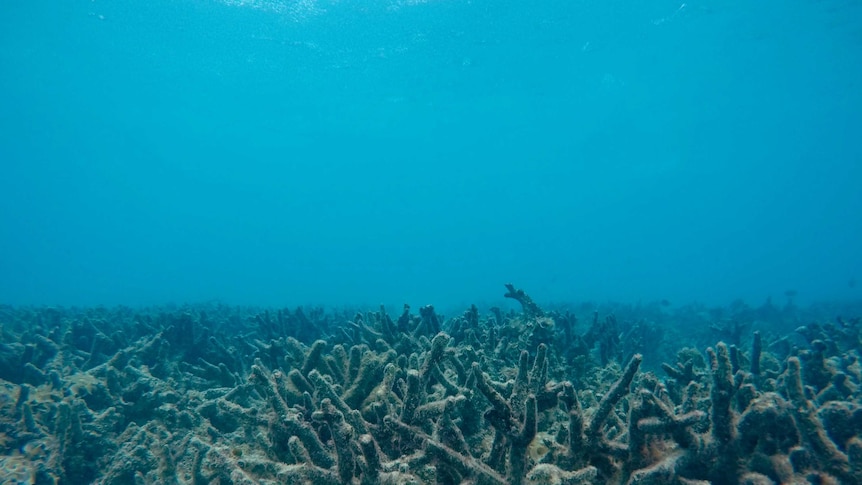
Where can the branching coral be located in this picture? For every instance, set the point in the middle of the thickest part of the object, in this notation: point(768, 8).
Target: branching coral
point(217, 396)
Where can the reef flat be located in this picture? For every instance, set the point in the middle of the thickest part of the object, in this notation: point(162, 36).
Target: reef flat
point(601, 394)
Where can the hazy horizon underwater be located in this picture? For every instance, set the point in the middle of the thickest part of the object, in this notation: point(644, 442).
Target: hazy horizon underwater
point(269, 152)
point(430, 242)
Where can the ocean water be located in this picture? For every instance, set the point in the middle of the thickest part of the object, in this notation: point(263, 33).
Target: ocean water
point(275, 152)
point(240, 241)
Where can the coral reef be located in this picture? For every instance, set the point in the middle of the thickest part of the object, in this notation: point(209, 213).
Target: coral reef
point(227, 395)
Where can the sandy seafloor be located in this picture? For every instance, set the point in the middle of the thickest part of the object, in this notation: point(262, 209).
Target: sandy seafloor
point(542, 394)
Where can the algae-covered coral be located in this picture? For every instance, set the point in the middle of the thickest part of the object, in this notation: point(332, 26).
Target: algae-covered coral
point(640, 394)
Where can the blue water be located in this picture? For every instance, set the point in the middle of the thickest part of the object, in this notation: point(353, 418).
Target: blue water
point(281, 153)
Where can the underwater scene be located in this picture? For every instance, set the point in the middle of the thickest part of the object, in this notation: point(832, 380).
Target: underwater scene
point(486, 242)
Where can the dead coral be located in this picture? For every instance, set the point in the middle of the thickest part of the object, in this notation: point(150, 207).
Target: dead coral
point(222, 395)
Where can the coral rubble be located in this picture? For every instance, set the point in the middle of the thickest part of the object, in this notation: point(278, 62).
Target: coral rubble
point(218, 394)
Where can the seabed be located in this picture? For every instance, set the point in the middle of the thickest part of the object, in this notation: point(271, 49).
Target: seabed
point(590, 394)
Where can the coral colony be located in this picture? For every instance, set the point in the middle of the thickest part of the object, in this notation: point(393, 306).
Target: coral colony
point(644, 394)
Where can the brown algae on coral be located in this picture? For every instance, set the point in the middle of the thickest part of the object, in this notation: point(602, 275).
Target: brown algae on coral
point(588, 394)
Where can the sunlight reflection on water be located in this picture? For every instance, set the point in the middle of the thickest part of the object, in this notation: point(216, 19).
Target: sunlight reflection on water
point(296, 9)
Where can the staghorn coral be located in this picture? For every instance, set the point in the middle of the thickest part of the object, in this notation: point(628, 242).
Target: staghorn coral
point(218, 394)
